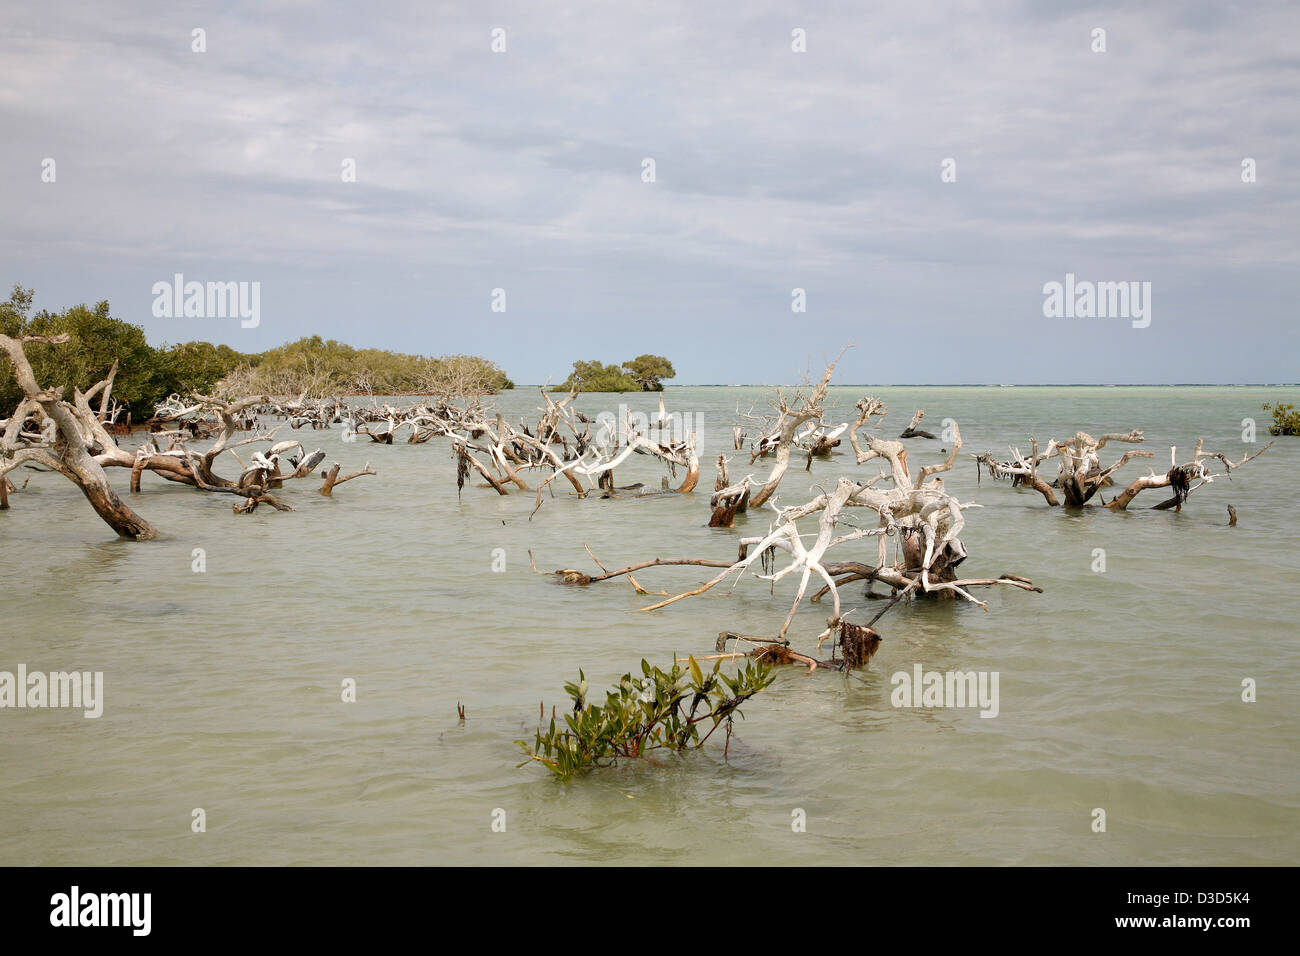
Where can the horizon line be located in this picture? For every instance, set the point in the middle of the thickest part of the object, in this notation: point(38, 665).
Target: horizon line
point(549, 386)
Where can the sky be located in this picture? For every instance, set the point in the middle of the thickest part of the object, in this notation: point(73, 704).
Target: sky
point(822, 170)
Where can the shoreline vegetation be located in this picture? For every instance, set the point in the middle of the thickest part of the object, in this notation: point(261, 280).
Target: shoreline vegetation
point(144, 376)
point(147, 376)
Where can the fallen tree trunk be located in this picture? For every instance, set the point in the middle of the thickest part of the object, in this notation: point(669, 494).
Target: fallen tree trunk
point(1080, 475)
point(332, 479)
point(68, 455)
point(911, 431)
point(1184, 479)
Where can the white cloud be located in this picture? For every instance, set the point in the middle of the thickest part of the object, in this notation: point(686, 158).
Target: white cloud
point(775, 169)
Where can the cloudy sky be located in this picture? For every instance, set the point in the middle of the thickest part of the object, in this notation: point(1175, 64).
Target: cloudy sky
point(774, 170)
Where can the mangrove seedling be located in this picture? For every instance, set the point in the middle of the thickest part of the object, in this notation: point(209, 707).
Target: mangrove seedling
point(659, 710)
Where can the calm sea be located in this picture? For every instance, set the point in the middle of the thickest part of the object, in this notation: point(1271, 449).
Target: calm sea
point(1119, 690)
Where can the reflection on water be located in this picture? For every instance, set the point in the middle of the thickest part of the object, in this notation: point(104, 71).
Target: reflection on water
point(1118, 690)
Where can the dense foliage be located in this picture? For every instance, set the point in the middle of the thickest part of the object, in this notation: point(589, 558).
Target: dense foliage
point(1286, 419)
point(656, 711)
point(650, 371)
point(324, 366)
point(147, 375)
point(645, 373)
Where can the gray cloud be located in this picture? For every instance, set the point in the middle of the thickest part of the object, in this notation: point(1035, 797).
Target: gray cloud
point(775, 170)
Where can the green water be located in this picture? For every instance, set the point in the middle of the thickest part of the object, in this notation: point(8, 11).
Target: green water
point(1118, 690)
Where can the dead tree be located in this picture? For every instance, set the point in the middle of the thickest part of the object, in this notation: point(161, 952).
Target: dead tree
point(333, 479)
point(798, 420)
point(67, 451)
point(1183, 479)
point(683, 456)
point(503, 454)
point(911, 431)
point(916, 511)
point(727, 500)
point(1080, 474)
point(79, 442)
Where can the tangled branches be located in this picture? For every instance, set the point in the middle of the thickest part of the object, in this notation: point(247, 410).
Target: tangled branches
point(1080, 475)
point(71, 438)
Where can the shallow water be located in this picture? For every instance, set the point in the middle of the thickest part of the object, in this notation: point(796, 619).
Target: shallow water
point(1118, 690)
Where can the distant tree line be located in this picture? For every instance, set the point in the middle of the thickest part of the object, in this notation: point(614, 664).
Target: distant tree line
point(323, 366)
point(147, 374)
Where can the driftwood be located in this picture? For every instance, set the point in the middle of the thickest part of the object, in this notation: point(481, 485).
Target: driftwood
point(332, 478)
point(1080, 475)
point(560, 444)
point(916, 511)
point(911, 431)
point(67, 452)
point(727, 500)
point(80, 442)
point(791, 415)
point(1183, 479)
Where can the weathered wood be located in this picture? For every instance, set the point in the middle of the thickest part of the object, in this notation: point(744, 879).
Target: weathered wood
point(911, 431)
point(332, 479)
point(70, 456)
point(1184, 478)
point(790, 416)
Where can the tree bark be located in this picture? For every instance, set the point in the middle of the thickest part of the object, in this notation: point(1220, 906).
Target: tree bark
point(74, 460)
